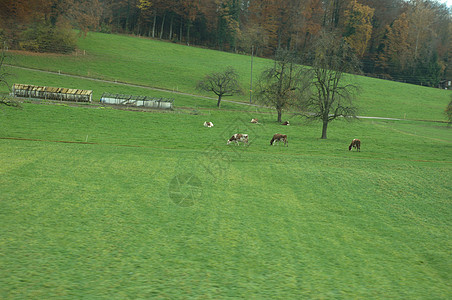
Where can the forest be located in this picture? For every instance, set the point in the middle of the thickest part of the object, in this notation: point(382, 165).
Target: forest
point(408, 41)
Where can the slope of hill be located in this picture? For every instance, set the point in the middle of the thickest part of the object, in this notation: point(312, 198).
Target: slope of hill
point(177, 68)
point(103, 203)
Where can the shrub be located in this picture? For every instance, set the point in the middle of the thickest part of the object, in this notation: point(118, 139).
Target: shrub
point(43, 37)
point(448, 111)
point(105, 28)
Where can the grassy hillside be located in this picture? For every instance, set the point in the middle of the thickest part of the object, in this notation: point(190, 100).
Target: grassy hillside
point(103, 203)
point(99, 87)
point(158, 206)
point(177, 68)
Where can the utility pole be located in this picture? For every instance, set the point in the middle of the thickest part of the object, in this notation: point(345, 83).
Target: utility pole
point(251, 78)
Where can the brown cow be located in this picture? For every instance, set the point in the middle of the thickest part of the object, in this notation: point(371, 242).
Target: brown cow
point(355, 144)
point(279, 138)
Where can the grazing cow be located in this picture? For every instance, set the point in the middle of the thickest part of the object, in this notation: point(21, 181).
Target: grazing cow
point(279, 138)
point(238, 137)
point(355, 144)
point(255, 121)
point(286, 123)
point(208, 124)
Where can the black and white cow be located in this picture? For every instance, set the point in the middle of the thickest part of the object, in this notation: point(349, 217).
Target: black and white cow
point(238, 137)
point(208, 124)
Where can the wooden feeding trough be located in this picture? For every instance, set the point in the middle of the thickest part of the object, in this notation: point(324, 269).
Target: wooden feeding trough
point(51, 93)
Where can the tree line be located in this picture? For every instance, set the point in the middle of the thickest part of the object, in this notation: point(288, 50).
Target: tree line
point(401, 40)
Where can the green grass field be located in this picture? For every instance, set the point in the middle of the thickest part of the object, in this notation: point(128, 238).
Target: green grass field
point(177, 68)
point(101, 203)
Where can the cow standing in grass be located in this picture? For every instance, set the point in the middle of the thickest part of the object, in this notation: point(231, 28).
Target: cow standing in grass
point(238, 137)
point(355, 144)
point(279, 138)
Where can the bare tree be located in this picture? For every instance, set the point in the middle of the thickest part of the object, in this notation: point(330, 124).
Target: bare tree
point(448, 111)
point(222, 84)
point(280, 85)
point(3, 73)
point(5, 100)
point(332, 89)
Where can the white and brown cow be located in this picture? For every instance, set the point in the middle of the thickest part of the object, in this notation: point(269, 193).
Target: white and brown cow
point(286, 123)
point(279, 138)
point(208, 124)
point(255, 121)
point(238, 137)
point(355, 144)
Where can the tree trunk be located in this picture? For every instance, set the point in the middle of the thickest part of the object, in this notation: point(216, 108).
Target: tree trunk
point(118, 23)
point(180, 30)
point(153, 25)
point(279, 115)
point(127, 17)
point(324, 128)
point(163, 25)
point(188, 33)
point(219, 101)
point(171, 28)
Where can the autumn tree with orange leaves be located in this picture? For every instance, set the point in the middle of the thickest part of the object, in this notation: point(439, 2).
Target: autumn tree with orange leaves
point(358, 27)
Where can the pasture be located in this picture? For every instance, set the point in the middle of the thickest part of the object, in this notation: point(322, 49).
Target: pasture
point(175, 67)
point(104, 203)
point(156, 205)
